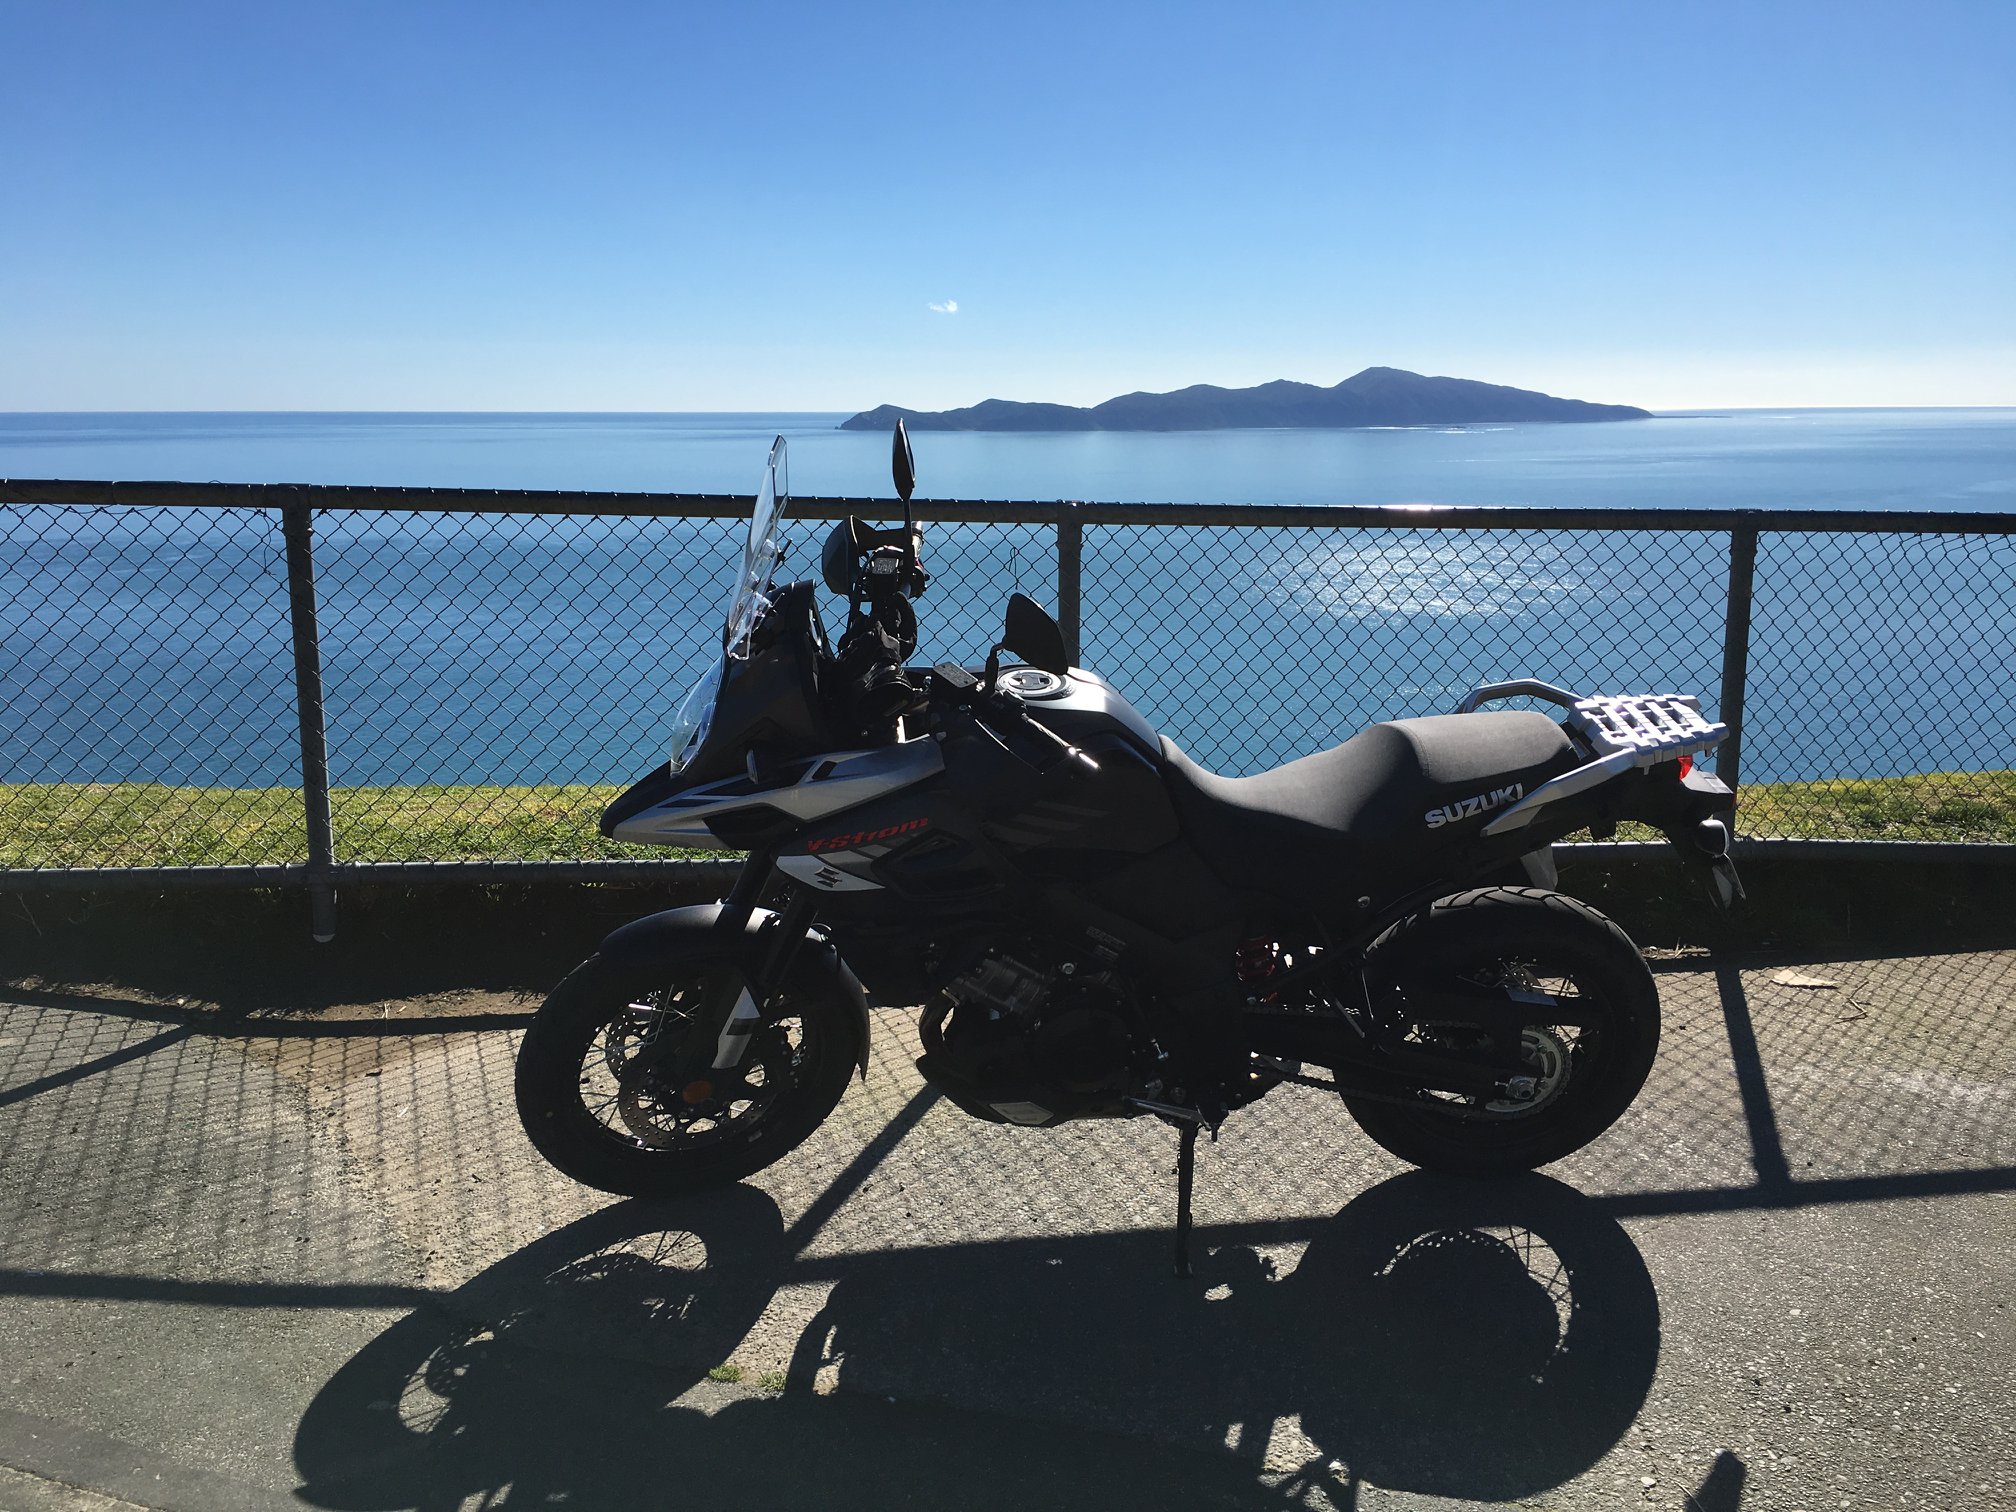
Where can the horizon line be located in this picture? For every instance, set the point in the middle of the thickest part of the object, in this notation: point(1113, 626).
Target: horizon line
point(1678, 412)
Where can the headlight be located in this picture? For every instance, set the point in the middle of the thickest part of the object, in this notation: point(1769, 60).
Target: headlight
point(696, 713)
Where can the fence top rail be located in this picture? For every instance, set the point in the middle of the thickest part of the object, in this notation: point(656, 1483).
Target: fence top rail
point(508, 501)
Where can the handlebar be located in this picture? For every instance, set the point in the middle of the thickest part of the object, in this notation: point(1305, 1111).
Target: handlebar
point(1005, 715)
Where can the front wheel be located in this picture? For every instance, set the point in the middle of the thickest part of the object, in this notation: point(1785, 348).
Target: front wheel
point(1588, 1045)
point(647, 1128)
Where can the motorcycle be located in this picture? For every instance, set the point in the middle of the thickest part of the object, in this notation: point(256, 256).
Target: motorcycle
point(1093, 925)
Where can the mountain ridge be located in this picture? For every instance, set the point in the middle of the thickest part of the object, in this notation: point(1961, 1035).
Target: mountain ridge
point(1376, 396)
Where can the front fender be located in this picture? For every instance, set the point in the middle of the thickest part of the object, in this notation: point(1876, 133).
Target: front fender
point(693, 936)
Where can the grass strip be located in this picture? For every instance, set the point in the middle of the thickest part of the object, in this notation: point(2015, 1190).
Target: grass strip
point(154, 824)
point(1953, 806)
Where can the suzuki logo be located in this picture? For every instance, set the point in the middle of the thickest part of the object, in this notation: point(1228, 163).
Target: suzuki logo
point(1469, 808)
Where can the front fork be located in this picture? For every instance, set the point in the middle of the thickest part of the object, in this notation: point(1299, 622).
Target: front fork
point(734, 994)
point(731, 1006)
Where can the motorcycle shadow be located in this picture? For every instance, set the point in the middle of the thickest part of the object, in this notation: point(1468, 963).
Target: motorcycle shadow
point(1462, 1339)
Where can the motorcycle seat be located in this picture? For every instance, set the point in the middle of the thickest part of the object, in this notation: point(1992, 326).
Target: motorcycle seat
point(1387, 803)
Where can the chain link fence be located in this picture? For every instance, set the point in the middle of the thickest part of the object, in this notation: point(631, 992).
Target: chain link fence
point(1250, 646)
point(484, 671)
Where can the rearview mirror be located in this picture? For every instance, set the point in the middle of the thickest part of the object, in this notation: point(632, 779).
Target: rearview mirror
point(1032, 635)
point(903, 465)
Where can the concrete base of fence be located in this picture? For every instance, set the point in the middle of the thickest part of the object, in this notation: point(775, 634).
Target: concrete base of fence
point(1814, 893)
point(712, 872)
point(364, 873)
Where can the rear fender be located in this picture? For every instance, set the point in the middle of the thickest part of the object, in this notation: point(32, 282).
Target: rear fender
point(1677, 804)
point(1535, 868)
point(693, 936)
point(1697, 813)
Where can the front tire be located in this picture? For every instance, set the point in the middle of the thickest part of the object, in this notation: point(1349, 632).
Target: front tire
point(617, 1128)
point(1544, 945)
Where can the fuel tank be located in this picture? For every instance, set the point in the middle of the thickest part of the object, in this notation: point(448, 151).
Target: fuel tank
point(992, 818)
point(1081, 706)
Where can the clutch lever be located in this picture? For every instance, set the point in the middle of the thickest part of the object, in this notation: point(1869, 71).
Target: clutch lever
point(982, 697)
point(1010, 705)
point(1071, 752)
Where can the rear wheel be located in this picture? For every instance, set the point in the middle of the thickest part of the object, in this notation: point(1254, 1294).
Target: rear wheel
point(662, 1124)
point(1587, 1048)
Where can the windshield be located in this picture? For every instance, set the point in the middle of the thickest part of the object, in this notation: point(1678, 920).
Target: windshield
point(695, 718)
point(760, 553)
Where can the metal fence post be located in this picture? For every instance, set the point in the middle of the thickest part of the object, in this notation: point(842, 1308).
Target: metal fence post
point(1736, 647)
point(1070, 557)
point(297, 524)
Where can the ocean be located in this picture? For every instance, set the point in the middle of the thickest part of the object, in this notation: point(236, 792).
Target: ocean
point(151, 645)
point(1783, 459)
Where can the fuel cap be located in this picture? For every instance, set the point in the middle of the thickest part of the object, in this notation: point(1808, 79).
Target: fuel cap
point(1032, 683)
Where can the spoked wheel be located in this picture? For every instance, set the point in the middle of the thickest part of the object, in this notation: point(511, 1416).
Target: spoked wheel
point(614, 1117)
point(1587, 1048)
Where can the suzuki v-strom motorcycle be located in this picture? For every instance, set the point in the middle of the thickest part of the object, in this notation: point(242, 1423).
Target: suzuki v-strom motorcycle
point(1093, 925)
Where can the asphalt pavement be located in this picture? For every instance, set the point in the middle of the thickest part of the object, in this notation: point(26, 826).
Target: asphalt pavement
point(258, 1256)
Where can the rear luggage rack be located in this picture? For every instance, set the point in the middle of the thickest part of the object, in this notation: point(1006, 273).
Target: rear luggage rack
point(1625, 730)
point(1661, 726)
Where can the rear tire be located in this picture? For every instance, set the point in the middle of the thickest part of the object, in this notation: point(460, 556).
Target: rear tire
point(1542, 942)
point(638, 1138)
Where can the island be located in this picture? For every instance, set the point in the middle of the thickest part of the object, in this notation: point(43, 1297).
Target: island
point(1378, 396)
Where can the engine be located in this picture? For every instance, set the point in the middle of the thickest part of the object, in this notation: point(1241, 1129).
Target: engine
point(1032, 1037)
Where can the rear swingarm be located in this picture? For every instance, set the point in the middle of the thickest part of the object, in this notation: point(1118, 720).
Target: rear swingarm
point(1403, 1094)
point(1336, 1044)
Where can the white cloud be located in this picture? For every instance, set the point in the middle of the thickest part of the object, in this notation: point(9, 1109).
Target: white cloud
point(944, 306)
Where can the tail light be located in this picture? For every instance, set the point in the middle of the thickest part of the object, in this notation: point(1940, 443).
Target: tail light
point(1686, 765)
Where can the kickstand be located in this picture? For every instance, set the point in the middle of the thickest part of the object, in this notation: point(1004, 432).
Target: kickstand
point(1186, 1171)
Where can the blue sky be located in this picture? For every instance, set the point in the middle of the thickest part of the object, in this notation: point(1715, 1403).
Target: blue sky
point(707, 206)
